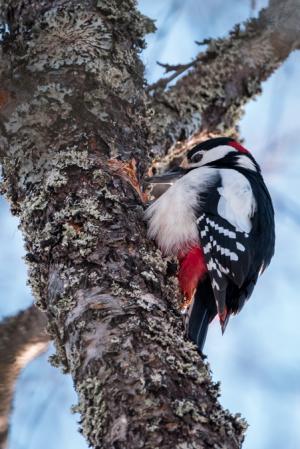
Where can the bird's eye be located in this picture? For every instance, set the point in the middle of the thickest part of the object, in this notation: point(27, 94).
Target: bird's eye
point(197, 157)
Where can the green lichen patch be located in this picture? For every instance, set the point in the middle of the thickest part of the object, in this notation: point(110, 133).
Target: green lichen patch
point(92, 408)
point(130, 20)
point(185, 406)
point(68, 38)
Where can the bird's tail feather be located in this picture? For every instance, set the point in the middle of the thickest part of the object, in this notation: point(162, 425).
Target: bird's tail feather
point(202, 312)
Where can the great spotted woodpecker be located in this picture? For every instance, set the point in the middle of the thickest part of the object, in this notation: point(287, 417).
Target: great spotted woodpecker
point(217, 217)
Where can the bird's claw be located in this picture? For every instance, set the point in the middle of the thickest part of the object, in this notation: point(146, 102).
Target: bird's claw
point(183, 310)
point(187, 301)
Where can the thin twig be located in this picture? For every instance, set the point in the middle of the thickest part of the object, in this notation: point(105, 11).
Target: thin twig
point(206, 41)
point(162, 83)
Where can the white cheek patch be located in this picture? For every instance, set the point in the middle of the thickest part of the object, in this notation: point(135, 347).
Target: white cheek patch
point(213, 154)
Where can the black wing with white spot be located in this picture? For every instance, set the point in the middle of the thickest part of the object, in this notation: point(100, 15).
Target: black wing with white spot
point(233, 237)
point(228, 256)
point(226, 250)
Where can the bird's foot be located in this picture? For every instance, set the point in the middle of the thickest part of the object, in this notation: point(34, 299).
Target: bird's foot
point(187, 301)
point(127, 171)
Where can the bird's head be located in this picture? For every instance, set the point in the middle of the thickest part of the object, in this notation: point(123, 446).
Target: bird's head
point(221, 151)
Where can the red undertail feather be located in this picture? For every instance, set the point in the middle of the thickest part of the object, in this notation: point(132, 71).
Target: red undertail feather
point(192, 268)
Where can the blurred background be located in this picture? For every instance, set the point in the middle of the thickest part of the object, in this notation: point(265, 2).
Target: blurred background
point(258, 359)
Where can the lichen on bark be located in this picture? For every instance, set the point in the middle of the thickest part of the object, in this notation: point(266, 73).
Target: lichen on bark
point(75, 99)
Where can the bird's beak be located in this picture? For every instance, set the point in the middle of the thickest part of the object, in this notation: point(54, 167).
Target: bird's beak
point(157, 185)
point(169, 176)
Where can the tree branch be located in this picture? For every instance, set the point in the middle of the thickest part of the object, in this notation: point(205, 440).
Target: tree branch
point(22, 338)
point(210, 98)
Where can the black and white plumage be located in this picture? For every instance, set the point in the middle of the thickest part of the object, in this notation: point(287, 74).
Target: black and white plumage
point(218, 218)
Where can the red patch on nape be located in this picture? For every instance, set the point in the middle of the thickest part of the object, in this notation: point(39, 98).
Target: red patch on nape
point(238, 147)
point(192, 268)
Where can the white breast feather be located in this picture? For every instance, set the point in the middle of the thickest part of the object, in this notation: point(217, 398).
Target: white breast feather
point(172, 221)
point(237, 203)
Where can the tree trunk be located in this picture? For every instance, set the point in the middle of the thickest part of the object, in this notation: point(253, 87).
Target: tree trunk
point(72, 98)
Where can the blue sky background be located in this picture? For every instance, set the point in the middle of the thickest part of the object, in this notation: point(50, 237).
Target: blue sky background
point(258, 359)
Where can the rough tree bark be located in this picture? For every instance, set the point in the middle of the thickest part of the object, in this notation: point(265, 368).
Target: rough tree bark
point(22, 338)
point(72, 97)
